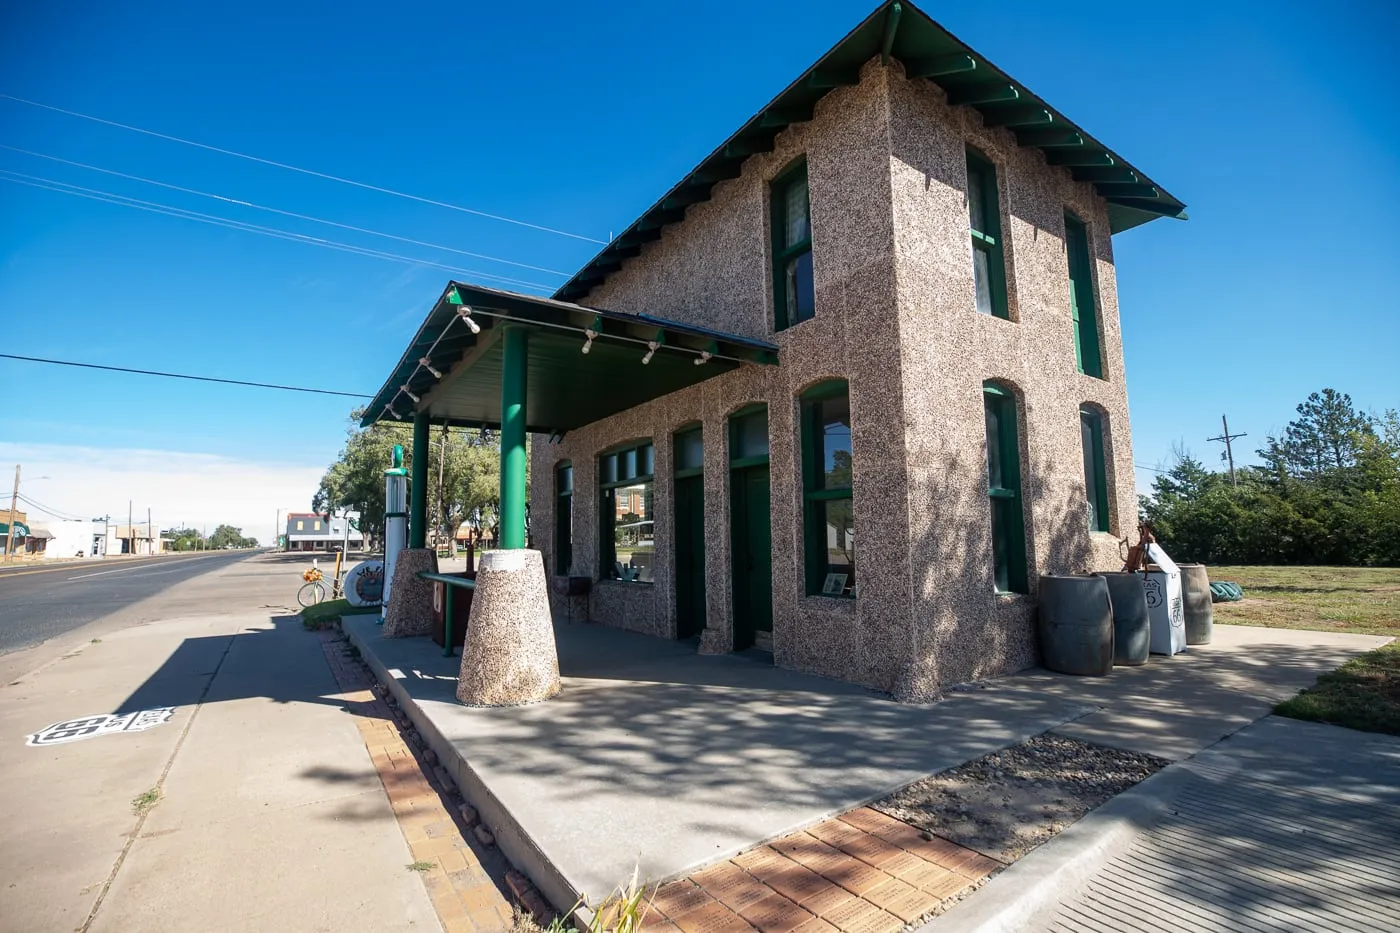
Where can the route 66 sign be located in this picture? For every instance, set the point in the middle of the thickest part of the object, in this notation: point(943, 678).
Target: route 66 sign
point(87, 727)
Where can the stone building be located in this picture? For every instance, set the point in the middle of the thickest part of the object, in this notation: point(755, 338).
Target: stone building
point(910, 258)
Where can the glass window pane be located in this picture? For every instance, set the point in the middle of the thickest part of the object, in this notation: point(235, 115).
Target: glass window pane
point(838, 530)
point(994, 466)
point(751, 435)
point(799, 289)
point(607, 469)
point(690, 450)
point(566, 480)
point(646, 460)
point(1091, 437)
point(982, 276)
point(976, 198)
point(634, 540)
point(833, 442)
point(795, 212)
point(627, 465)
point(1001, 541)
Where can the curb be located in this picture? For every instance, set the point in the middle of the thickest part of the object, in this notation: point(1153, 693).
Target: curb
point(1011, 901)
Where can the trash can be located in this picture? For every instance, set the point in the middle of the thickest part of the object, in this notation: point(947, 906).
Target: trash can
point(1132, 630)
point(1075, 625)
point(461, 611)
point(1196, 603)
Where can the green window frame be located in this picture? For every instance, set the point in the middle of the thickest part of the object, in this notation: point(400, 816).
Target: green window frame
point(626, 480)
point(563, 517)
point(827, 502)
point(748, 436)
point(984, 224)
point(794, 294)
point(1082, 306)
point(1004, 490)
point(1095, 484)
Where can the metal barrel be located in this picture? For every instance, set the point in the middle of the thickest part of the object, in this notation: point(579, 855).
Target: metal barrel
point(1196, 603)
point(1132, 629)
point(1075, 624)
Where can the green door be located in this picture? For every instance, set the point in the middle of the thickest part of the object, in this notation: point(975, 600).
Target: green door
point(751, 551)
point(690, 556)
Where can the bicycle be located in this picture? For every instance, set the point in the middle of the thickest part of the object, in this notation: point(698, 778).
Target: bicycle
point(315, 590)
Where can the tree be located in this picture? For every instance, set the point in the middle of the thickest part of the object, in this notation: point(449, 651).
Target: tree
point(471, 468)
point(1327, 438)
point(184, 539)
point(229, 536)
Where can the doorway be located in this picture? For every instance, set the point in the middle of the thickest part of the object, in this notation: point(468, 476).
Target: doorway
point(750, 528)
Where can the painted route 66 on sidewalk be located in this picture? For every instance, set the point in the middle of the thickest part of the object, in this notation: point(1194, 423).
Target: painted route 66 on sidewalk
point(87, 727)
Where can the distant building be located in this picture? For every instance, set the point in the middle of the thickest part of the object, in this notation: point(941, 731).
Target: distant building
point(308, 531)
point(66, 539)
point(132, 539)
point(21, 522)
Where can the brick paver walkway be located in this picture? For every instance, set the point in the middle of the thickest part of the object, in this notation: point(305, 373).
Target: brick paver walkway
point(467, 897)
point(862, 872)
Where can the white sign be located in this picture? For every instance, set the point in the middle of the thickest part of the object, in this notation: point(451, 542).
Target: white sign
point(72, 730)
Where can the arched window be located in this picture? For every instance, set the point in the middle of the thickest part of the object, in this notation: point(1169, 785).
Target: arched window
point(828, 517)
point(1095, 483)
point(1004, 489)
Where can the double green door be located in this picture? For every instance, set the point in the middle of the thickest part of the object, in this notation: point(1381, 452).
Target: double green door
point(751, 553)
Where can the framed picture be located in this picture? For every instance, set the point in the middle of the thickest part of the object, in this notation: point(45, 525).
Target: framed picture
point(835, 584)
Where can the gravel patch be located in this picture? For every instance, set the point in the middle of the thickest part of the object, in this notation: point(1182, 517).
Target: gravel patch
point(1007, 803)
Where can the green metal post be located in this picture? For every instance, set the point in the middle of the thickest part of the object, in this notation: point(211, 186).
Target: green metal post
point(418, 491)
point(446, 620)
point(516, 350)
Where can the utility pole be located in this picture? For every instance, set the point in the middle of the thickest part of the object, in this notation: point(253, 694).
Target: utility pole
point(14, 504)
point(1227, 437)
point(150, 539)
point(130, 531)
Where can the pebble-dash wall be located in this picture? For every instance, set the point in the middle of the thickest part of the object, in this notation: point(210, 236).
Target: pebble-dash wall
point(895, 317)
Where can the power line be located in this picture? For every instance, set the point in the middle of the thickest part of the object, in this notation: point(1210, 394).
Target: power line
point(39, 506)
point(95, 194)
point(304, 171)
point(274, 210)
point(1150, 469)
point(152, 372)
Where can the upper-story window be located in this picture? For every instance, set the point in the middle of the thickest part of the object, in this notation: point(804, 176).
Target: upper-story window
point(794, 296)
point(627, 518)
point(984, 221)
point(1081, 299)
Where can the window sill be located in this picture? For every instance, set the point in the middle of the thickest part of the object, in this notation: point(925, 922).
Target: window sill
point(614, 581)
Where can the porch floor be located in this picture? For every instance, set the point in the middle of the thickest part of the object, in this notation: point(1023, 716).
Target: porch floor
point(657, 757)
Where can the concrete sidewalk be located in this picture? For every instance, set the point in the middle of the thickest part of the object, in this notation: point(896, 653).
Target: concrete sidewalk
point(1285, 826)
point(270, 813)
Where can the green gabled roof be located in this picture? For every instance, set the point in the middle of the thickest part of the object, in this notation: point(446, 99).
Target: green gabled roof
point(901, 30)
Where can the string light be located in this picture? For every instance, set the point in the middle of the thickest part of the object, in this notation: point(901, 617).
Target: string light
point(652, 347)
point(429, 367)
point(704, 358)
point(390, 409)
point(466, 314)
point(405, 390)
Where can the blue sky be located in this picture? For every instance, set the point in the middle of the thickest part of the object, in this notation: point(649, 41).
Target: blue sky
point(1276, 123)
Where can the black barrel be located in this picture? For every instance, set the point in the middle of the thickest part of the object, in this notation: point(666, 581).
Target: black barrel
point(1196, 603)
point(1076, 625)
point(1132, 630)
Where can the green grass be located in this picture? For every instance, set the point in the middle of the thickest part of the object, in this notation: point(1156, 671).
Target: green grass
point(1363, 693)
point(143, 802)
point(1360, 600)
point(326, 614)
point(419, 866)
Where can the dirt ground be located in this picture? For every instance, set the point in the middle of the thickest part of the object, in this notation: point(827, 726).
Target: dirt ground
point(1007, 803)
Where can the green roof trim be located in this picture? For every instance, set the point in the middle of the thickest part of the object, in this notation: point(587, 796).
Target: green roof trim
point(584, 363)
point(901, 30)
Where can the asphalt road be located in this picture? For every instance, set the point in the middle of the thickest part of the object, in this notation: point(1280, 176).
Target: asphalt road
point(36, 605)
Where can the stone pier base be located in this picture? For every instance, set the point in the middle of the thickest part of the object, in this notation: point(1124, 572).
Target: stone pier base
point(410, 609)
point(509, 657)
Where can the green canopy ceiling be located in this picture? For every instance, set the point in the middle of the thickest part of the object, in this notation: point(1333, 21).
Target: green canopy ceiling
point(902, 31)
point(454, 374)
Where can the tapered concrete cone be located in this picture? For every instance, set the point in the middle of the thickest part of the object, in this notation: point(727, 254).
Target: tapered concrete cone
point(509, 657)
point(410, 609)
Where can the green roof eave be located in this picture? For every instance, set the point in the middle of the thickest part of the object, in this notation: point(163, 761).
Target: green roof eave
point(452, 373)
point(898, 29)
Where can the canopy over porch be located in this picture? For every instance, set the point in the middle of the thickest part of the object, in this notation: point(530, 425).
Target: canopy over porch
point(521, 363)
point(583, 364)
